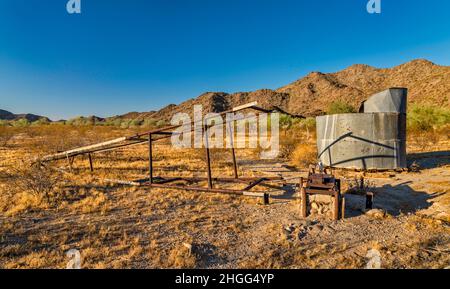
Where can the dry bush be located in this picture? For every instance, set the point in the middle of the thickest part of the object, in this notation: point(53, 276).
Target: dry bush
point(181, 258)
point(40, 182)
point(304, 155)
point(58, 137)
point(359, 186)
point(287, 146)
point(6, 134)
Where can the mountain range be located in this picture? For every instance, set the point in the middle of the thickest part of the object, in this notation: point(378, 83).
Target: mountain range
point(427, 83)
point(6, 115)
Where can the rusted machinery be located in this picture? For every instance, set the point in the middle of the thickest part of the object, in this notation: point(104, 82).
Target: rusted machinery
point(322, 184)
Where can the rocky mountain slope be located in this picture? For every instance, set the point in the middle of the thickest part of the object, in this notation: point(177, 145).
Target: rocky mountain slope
point(311, 95)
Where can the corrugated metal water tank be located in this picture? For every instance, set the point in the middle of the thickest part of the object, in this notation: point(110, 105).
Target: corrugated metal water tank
point(375, 139)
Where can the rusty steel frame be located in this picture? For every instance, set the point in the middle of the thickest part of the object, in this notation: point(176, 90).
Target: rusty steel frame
point(160, 182)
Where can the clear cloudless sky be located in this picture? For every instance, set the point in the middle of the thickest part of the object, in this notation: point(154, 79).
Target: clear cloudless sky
point(138, 55)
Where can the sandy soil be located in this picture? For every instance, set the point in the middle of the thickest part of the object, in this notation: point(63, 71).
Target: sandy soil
point(120, 226)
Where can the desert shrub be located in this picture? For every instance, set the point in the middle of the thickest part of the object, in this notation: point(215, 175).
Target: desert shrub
point(309, 122)
point(360, 186)
point(161, 123)
point(125, 123)
point(80, 121)
point(181, 258)
point(340, 107)
point(287, 148)
point(20, 123)
point(6, 134)
point(286, 121)
point(304, 155)
point(425, 118)
point(114, 122)
point(149, 123)
point(136, 123)
point(4, 122)
point(40, 182)
point(41, 121)
point(308, 125)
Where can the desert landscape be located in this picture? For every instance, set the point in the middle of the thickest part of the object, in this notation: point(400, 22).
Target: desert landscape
point(45, 211)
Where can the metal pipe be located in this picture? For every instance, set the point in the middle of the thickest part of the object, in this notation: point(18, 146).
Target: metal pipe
point(90, 163)
point(303, 209)
point(150, 158)
point(255, 183)
point(206, 190)
point(369, 201)
point(208, 158)
point(336, 206)
point(222, 179)
point(231, 132)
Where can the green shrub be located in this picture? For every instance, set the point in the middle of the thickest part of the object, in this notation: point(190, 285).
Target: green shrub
point(4, 123)
point(161, 123)
point(41, 121)
point(20, 123)
point(149, 122)
point(425, 118)
point(340, 107)
point(308, 123)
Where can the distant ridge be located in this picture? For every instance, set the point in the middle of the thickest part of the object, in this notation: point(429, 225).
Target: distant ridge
point(6, 115)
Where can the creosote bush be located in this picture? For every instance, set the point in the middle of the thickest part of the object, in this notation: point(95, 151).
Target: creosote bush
point(426, 118)
point(340, 107)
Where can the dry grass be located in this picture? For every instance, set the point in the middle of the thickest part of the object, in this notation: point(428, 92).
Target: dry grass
point(125, 227)
point(304, 155)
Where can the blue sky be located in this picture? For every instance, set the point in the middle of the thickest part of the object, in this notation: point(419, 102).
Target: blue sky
point(138, 55)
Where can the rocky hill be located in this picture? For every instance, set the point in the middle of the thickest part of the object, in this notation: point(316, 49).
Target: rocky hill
point(6, 115)
point(311, 95)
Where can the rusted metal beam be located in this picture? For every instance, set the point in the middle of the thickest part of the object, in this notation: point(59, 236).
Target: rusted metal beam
point(369, 201)
point(233, 154)
point(336, 206)
point(165, 181)
point(208, 159)
point(218, 179)
point(150, 158)
point(303, 200)
point(255, 183)
point(206, 190)
point(91, 167)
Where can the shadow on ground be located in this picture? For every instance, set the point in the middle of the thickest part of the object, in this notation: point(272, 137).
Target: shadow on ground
point(428, 160)
point(395, 200)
